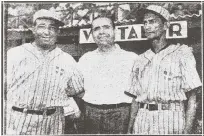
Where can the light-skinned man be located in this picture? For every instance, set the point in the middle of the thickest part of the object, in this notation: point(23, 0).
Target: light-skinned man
point(106, 71)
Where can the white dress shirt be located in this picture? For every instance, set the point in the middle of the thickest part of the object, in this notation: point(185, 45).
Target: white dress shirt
point(106, 75)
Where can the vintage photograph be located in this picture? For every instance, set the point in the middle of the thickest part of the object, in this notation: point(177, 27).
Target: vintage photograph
point(102, 68)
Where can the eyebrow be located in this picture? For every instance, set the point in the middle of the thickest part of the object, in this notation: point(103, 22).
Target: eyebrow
point(95, 28)
point(102, 26)
point(106, 26)
point(53, 23)
point(149, 19)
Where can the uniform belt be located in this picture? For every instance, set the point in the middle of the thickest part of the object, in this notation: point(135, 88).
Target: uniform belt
point(108, 106)
point(46, 112)
point(152, 107)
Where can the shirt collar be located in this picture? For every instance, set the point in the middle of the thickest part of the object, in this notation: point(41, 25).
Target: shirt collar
point(149, 54)
point(35, 51)
point(117, 48)
point(160, 50)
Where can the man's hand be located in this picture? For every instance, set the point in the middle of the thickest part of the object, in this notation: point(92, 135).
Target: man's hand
point(190, 111)
point(133, 114)
point(75, 85)
point(75, 115)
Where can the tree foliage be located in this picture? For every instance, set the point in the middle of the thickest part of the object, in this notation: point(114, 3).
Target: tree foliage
point(20, 14)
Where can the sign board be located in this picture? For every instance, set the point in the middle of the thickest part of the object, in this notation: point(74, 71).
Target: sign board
point(177, 29)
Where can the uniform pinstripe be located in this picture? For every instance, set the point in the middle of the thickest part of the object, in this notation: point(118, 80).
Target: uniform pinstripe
point(163, 78)
point(37, 82)
point(160, 122)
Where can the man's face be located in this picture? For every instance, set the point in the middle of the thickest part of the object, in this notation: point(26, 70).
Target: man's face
point(45, 32)
point(103, 32)
point(153, 26)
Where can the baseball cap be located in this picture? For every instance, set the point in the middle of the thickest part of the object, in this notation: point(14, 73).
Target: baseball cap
point(43, 13)
point(159, 10)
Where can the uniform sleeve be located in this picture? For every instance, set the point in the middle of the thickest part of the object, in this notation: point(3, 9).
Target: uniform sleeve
point(76, 81)
point(72, 108)
point(11, 63)
point(74, 78)
point(190, 77)
point(134, 85)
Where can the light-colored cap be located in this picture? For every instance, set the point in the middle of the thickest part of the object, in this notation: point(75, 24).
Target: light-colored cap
point(48, 14)
point(158, 10)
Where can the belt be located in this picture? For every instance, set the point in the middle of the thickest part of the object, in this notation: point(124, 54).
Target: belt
point(108, 106)
point(152, 107)
point(46, 112)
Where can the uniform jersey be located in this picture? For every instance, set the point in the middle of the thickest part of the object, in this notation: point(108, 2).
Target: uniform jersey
point(163, 78)
point(35, 81)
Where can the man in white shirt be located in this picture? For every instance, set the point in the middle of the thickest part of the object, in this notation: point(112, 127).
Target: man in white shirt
point(106, 72)
point(37, 75)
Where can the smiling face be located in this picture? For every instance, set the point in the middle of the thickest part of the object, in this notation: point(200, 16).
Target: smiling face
point(103, 31)
point(45, 32)
point(154, 26)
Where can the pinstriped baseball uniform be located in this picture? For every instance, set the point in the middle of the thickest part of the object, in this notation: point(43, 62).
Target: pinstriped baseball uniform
point(163, 78)
point(36, 82)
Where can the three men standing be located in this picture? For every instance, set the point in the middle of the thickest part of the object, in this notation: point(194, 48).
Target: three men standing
point(161, 79)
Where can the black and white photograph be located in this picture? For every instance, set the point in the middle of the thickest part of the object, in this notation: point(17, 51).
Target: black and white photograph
point(101, 67)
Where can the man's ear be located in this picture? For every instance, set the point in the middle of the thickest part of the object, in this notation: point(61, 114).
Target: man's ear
point(114, 32)
point(58, 31)
point(166, 25)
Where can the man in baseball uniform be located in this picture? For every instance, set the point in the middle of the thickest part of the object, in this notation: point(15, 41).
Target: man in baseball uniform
point(163, 78)
point(106, 71)
point(37, 75)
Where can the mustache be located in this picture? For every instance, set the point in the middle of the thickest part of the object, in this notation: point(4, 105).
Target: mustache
point(103, 35)
point(149, 31)
point(46, 36)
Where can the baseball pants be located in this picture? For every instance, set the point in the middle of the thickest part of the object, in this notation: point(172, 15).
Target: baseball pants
point(19, 123)
point(160, 121)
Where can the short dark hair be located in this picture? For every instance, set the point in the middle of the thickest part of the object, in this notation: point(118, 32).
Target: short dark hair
point(110, 18)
